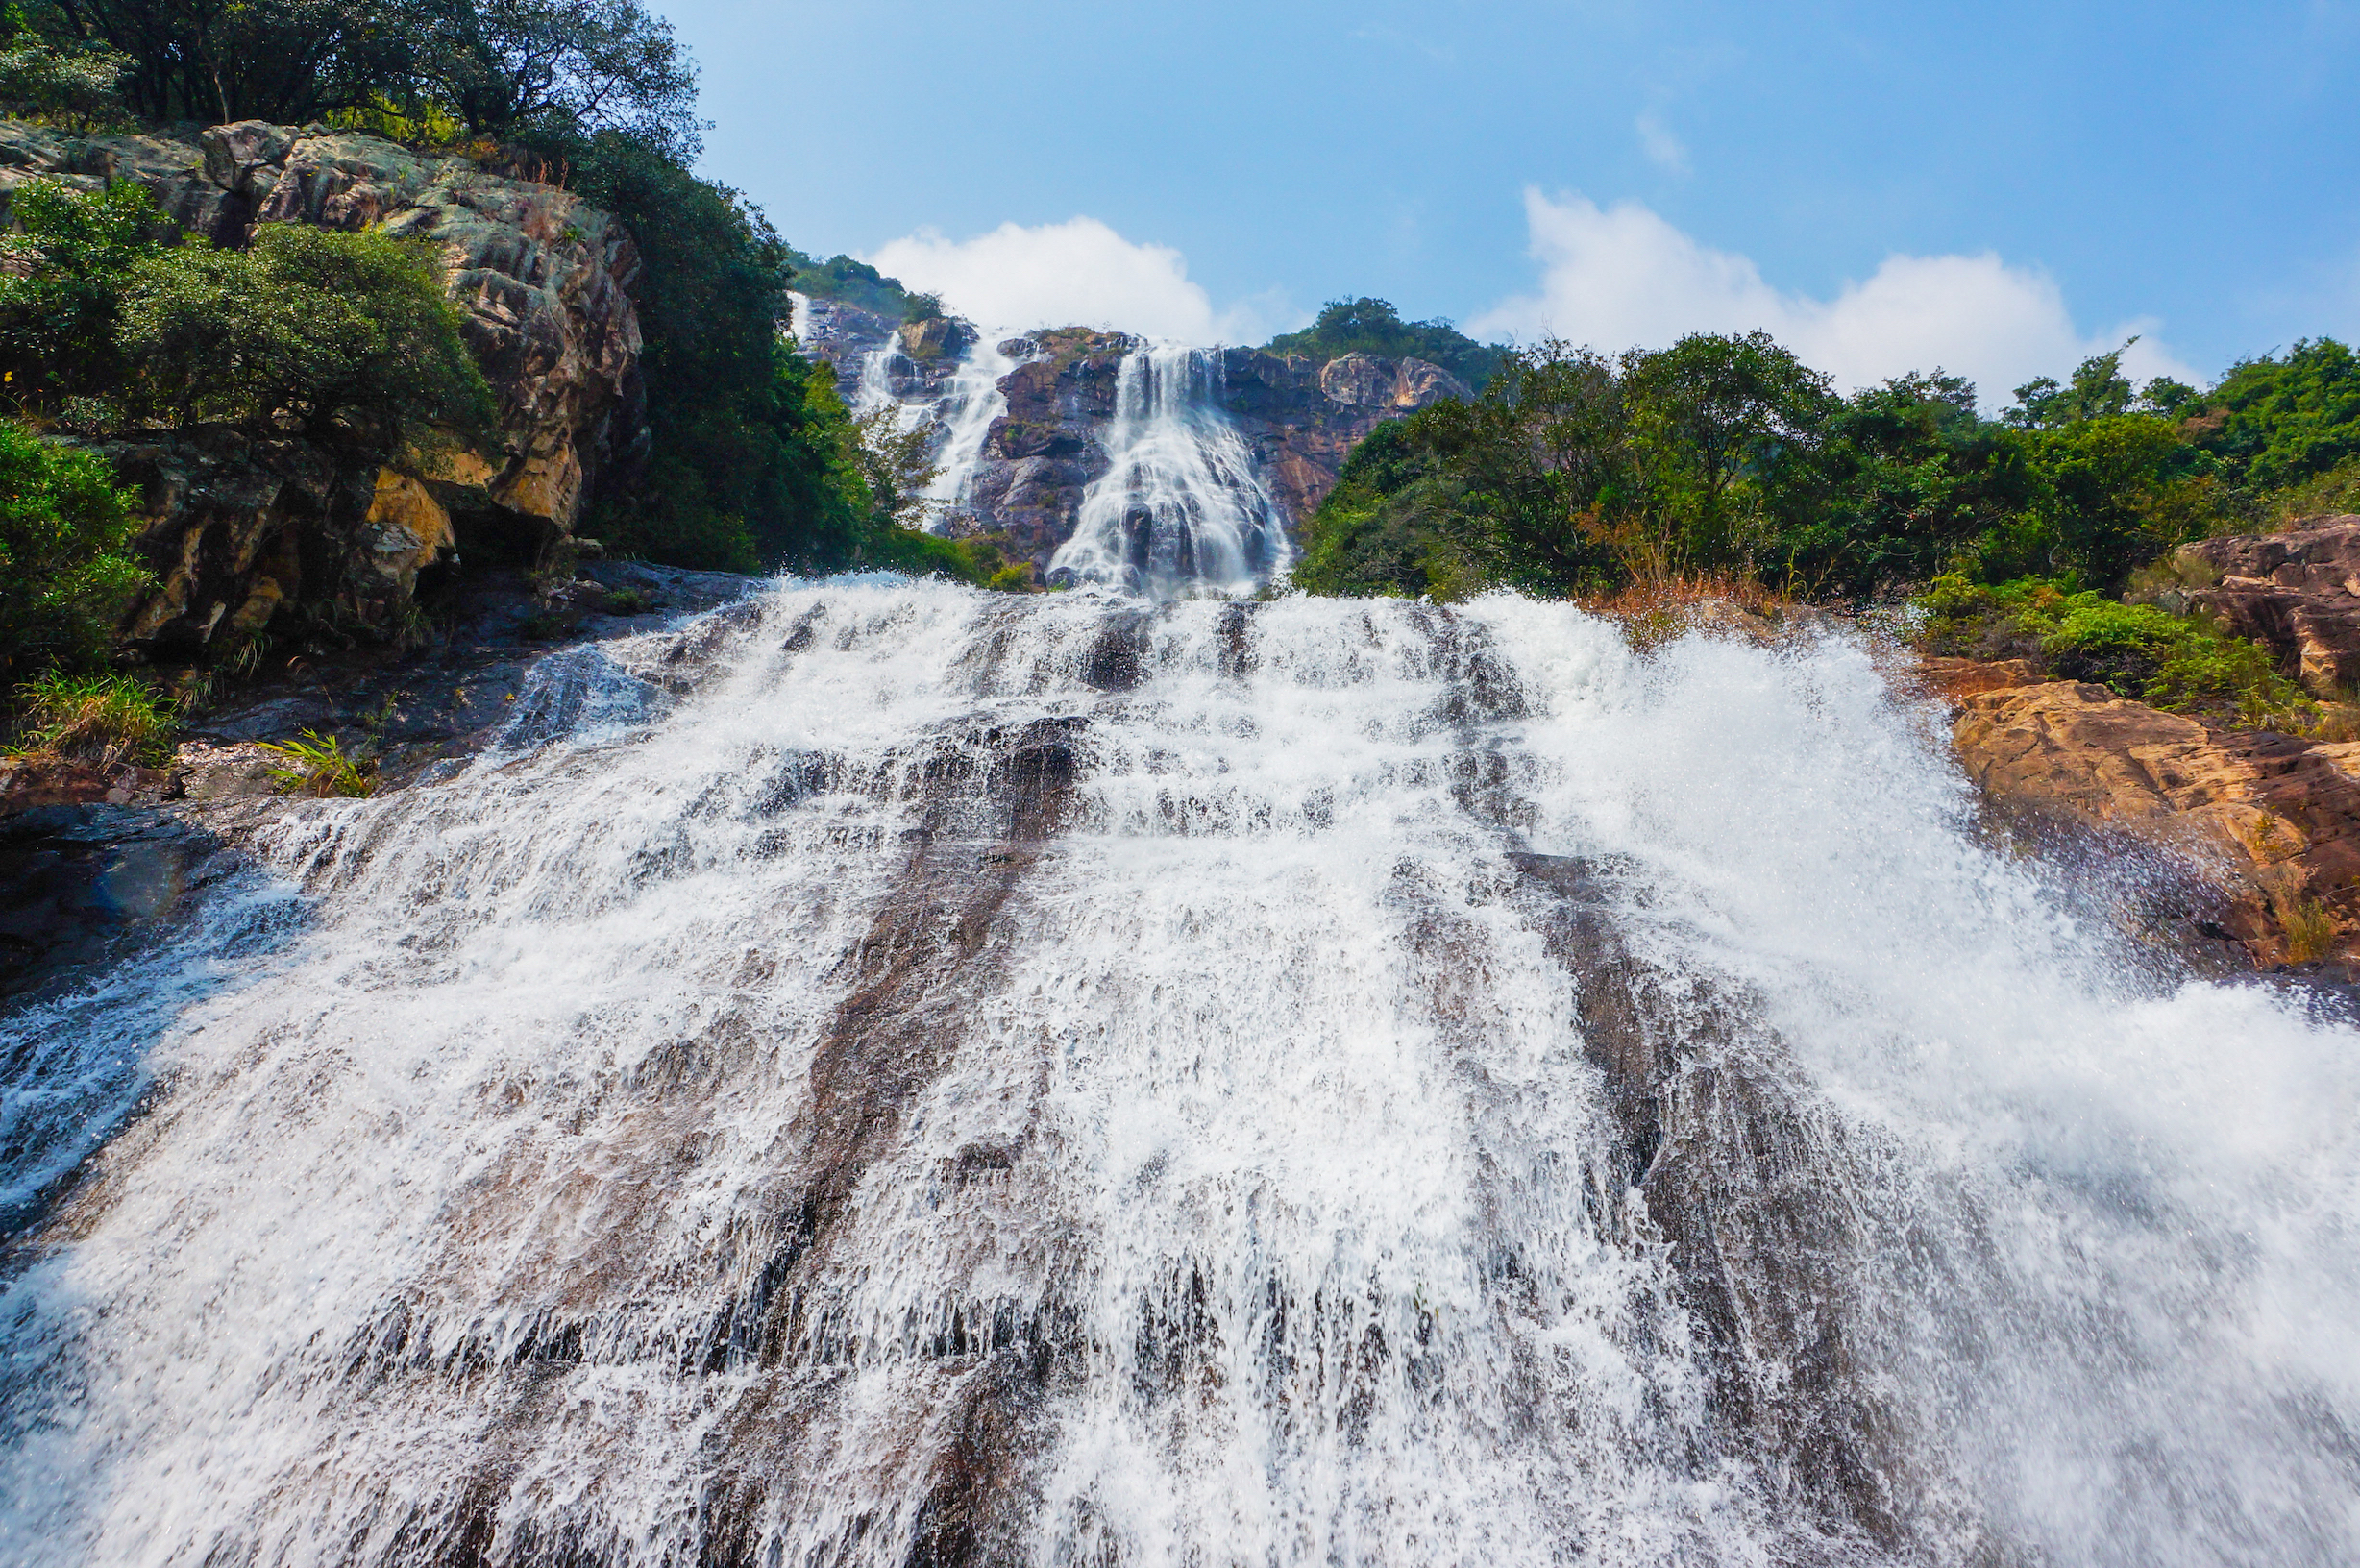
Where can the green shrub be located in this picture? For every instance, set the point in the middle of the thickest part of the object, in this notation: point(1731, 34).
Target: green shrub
point(60, 293)
point(2121, 646)
point(307, 327)
point(104, 719)
point(66, 577)
point(2182, 664)
point(75, 85)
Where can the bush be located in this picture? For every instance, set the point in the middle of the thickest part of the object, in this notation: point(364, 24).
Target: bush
point(64, 576)
point(2181, 664)
point(74, 84)
point(104, 719)
point(60, 293)
point(308, 328)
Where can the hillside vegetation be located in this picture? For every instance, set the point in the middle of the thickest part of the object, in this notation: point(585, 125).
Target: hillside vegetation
point(1578, 471)
point(1366, 325)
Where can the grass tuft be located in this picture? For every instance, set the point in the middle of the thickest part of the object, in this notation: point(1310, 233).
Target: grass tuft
point(106, 719)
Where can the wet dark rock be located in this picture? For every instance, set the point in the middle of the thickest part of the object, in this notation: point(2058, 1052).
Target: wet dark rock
point(83, 885)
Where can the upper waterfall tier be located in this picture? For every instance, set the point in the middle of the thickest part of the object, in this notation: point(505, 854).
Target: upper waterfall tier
point(892, 1074)
point(1028, 431)
point(1180, 508)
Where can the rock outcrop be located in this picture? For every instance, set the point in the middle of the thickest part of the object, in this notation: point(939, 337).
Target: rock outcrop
point(2271, 821)
point(238, 525)
point(1302, 416)
point(2296, 593)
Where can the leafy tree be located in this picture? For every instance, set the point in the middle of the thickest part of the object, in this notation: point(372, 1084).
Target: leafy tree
point(2278, 421)
point(1723, 425)
point(1366, 325)
point(288, 60)
point(308, 327)
point(576, 66)
point(76, 85)
point(61, 295)
point(1386, 528)
point(65, 576)
point(1916, 478)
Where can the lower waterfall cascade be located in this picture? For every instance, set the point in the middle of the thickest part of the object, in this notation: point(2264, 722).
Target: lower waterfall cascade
point(1180, 508)
point(887, 1075)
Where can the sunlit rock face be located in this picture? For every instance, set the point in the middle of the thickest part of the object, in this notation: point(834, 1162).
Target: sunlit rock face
point(543, 281)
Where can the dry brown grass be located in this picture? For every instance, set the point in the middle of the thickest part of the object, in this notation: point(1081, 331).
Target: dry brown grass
point(1655, 610)
point(2309, 926)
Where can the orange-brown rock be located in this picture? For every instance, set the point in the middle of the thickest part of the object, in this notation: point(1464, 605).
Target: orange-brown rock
point(2274, 820)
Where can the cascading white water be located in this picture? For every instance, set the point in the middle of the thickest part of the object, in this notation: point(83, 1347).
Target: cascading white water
point(915, 1076)
point(1180, 507)
point(969, 403)
point(875, 389)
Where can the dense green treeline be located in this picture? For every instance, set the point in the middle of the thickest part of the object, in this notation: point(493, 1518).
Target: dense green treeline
point(1578, 471)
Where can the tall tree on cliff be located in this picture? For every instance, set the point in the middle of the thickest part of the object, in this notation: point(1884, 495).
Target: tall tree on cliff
point(287, 60)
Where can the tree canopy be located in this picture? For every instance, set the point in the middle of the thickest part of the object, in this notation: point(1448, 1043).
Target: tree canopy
point(1577, 471)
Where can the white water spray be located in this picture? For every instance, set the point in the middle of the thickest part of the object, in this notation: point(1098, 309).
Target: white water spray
point(1181, 507)
point(937, 1077)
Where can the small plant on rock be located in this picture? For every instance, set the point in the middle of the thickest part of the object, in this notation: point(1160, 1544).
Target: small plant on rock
point(2309, 926)
point(318, 765)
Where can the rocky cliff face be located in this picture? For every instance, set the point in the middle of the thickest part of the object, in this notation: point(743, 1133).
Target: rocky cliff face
point(1298, 416)
point(239, 525)
point(2295, 592)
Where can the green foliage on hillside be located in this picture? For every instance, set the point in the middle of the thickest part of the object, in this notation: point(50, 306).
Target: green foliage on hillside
point(313, 330)
point(1366, 325)
point(308, 328)
point(2278, 422)
point(860, 285)
point(65, 571)
point(499, 68)
point(2181, 663)
point(1577, 472)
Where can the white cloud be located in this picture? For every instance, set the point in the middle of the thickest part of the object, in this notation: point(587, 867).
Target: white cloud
point(1613, 276)
point(1664, 149)
point(1075, 273)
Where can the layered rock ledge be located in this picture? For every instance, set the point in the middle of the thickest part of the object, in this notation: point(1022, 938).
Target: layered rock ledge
point(239, 526)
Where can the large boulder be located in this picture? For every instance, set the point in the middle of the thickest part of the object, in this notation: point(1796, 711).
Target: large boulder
point(240, 526)
point(2296, 593)
point(2271, 820)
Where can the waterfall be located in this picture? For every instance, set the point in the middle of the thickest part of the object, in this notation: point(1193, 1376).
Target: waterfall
point(969, 406)
point(888, 1075)
point(1180, 507)
point(876, 389)
point(961, 416)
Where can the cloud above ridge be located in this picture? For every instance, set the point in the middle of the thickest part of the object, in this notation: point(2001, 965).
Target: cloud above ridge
point(1076, 273)
point(1618, 275)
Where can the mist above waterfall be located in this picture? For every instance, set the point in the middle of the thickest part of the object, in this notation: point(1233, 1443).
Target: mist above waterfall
point(892, 1074)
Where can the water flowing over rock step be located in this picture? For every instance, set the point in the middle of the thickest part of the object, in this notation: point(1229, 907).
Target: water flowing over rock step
point(983, 1079)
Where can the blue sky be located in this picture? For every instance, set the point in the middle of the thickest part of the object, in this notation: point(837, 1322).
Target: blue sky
point(2048, 176)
